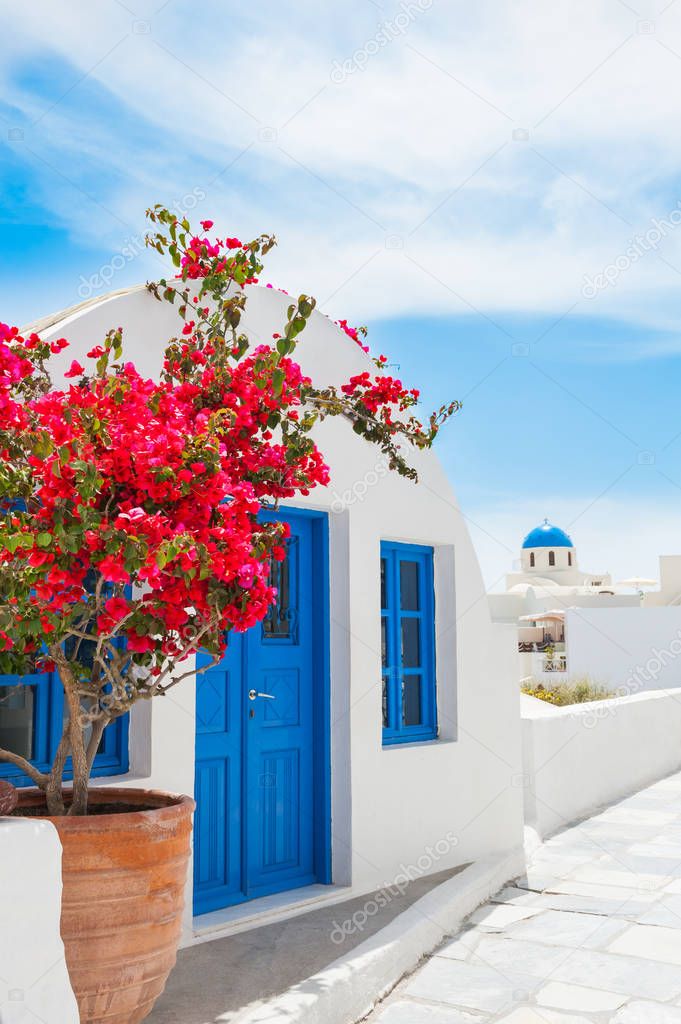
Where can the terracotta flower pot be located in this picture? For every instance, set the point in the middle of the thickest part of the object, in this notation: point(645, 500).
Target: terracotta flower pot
point(8, 797)
point(124, 876)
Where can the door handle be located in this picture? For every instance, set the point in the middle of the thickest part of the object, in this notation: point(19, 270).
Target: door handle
point(252, 694)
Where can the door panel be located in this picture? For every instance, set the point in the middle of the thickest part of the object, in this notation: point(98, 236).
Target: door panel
point(259, 732)
point(217, 840)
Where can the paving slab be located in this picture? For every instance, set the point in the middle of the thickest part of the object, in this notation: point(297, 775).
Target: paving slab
point(640, 1012)
point(666, 911)
point(411, 1012)
point(653, 942)
point(495, 918)
point(566, 928)
point(627, 908)
point(633, 975)
point(575, 997)
point(541, 1015)
point(470, 986)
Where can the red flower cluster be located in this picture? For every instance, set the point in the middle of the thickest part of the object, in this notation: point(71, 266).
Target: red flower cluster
point(372, 394)
point(353, 332)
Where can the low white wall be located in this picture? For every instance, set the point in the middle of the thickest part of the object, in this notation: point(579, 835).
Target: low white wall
point(628, 649)
point(579, 758)
point(34, 982)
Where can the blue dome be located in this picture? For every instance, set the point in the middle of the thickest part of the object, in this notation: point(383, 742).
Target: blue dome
point(547, 536)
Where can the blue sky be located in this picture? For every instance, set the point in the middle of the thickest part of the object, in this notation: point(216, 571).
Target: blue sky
point(454, 176)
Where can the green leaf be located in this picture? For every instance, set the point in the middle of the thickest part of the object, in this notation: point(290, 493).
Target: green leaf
point(278, 378)
point(43, 540)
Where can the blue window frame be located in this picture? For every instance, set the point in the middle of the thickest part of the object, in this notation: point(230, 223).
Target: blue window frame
point(408, 643)
point(31, 716)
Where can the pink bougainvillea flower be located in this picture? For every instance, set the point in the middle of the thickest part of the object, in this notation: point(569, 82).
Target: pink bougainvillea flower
point(117, 607)
point(112, 570)
point(75, 369)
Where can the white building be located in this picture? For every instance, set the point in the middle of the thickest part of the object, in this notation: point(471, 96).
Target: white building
point(670, 583)
point(548, 583)
point(376, 728)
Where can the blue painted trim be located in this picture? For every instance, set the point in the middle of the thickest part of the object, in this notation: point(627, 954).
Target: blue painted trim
point(323, 703)
point(393, 674)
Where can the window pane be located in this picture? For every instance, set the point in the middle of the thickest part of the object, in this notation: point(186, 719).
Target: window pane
point(386, 717)
point(411, 700)
point(16, 719)
point(279, 622)
point(409, 586)
point(384, 589)
point(411, 643)
point(384, 641)
point(87, 731)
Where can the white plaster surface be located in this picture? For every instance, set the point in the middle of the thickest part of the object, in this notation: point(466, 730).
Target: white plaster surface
point(34, 982)
point(607, 964)
point(444, 803)
point(584, 756)
point(637, 649)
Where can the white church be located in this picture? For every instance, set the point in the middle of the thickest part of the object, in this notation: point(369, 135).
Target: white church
point(540, 593)
point(571, 624)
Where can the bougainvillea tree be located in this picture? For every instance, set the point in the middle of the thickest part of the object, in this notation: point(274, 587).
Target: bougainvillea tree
point(129, 527)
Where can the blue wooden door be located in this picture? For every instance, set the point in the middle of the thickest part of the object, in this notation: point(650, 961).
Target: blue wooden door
point(261, 741)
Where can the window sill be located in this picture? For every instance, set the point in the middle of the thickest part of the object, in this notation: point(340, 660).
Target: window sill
point(435, 741)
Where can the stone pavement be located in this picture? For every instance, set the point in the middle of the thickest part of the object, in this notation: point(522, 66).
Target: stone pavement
point(592, 933)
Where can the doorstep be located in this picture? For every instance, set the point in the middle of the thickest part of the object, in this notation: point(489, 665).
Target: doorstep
point(266, 910)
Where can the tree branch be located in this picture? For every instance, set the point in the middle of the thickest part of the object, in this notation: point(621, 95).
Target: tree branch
point(27, 768)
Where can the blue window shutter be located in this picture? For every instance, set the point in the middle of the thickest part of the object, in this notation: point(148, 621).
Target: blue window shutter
point(408, 643)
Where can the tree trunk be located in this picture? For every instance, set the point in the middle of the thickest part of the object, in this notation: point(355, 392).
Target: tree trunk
point(53, 791)
point(98, 727)
point(81, 772)
point(76, 738)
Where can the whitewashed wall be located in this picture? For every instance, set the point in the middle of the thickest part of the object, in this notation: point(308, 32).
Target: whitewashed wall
point(34, 981)
point(389, 805)
point(579, 758)
point(630, 650)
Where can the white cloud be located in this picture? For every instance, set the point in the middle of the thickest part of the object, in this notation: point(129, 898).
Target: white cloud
point(422, 136)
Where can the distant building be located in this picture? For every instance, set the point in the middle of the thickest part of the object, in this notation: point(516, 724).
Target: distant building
point(537, 596)
point(670, 583)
